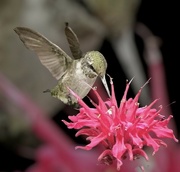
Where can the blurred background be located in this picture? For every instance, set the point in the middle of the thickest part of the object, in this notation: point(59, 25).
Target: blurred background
point(126, 32)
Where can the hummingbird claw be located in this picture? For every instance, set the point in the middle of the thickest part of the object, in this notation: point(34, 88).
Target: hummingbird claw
point(47, 91)
point(76, 106)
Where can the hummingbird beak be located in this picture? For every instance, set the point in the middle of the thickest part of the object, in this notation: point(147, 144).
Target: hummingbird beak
point(103, 79)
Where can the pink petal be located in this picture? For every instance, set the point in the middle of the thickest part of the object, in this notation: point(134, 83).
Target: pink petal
point(94, 142)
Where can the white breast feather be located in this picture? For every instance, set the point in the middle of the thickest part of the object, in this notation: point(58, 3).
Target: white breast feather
point(78, 68)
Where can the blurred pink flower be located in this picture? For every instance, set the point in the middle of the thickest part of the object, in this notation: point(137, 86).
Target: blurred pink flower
point(123, 130)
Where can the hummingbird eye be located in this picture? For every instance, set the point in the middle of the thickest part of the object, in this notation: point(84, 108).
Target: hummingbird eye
point(92, 68)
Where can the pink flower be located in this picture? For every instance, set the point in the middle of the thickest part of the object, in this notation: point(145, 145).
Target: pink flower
point(123, 130)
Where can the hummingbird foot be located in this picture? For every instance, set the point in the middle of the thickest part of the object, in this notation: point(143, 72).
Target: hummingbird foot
point(76, 106)
point(47, 91)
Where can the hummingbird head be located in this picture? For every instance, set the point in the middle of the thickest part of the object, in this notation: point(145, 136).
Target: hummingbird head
point(98, 64)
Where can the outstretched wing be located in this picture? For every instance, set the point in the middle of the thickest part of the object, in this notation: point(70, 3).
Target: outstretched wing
point(50, 55)
point(73, 42)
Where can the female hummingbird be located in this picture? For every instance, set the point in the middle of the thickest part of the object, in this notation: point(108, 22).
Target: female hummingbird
point(78, 73)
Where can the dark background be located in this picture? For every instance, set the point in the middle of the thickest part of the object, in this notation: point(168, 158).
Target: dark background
point(162, 18)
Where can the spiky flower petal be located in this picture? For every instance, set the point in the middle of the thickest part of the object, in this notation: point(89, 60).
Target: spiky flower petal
point(123, 130)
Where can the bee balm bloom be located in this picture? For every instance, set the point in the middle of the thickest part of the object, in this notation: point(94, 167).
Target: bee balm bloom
point(123, 130)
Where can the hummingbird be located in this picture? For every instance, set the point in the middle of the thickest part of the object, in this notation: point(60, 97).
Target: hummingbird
point(77, 73)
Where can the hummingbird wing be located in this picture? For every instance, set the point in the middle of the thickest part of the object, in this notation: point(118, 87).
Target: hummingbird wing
point(73, 41)
point(50, 55)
